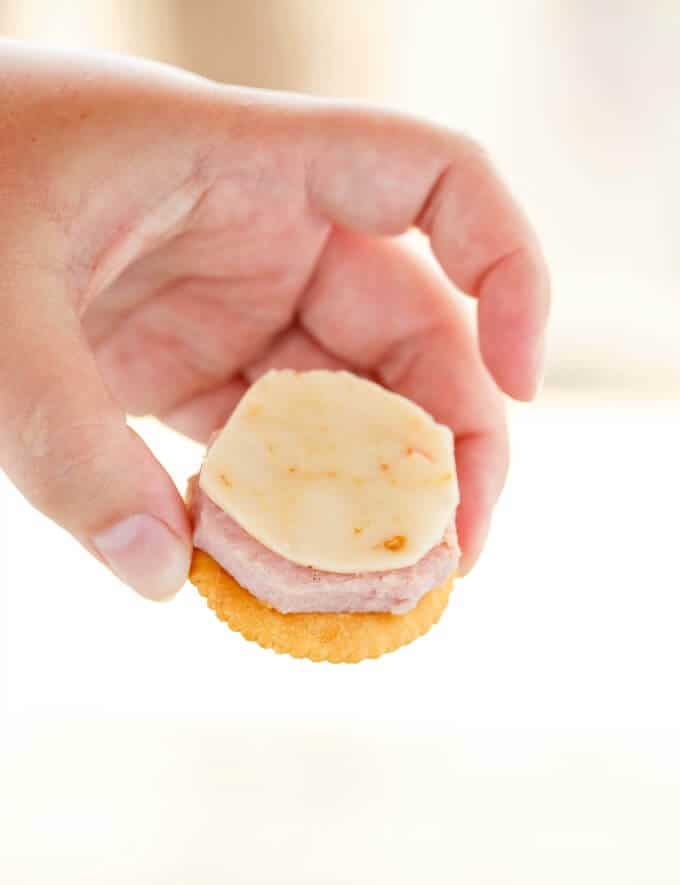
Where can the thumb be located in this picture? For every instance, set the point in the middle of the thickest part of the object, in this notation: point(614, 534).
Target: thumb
point(64, 443)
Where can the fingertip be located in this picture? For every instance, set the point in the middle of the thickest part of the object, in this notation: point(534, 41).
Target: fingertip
point(512, 315)
point(482, 464)
point(521, 378)
point(146, 554)
point(473, 549)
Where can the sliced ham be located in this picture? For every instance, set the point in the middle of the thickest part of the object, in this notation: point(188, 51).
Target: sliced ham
point(288, 587)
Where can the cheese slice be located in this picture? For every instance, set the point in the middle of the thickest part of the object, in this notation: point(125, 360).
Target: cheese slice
point(334, 472)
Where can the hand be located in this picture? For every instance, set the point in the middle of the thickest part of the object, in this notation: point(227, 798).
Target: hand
point(165, 240)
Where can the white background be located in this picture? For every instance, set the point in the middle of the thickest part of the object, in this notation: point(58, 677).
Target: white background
point(532, 737)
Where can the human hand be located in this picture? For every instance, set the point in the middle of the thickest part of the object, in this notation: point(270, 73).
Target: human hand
point(165, 240)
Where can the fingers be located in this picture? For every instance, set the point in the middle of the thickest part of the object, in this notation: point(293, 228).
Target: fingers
point(200, 415)
point(295, 349)
point(377, 309)
point(382, 173)
point(190, 339)
point(482, 465)
point(381, 309)
point(65, 445)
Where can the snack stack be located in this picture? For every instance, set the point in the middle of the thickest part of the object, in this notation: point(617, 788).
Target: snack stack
point(324, 517)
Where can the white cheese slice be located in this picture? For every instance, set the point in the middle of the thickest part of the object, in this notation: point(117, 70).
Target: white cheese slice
point(332, 471)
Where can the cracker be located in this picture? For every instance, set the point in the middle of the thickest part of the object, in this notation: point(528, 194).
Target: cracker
point(325, 636)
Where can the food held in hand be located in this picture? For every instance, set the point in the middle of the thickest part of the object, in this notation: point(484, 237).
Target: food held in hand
point(324, 517)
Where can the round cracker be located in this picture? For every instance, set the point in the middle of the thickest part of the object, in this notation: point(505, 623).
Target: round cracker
point(324, 636)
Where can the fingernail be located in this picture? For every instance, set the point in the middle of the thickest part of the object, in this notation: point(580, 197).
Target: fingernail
point(145, 554)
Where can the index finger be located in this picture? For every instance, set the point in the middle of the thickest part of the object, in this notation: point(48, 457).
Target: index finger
point(383, 173)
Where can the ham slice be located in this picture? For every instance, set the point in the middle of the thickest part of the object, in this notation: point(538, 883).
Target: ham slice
point(289, 587)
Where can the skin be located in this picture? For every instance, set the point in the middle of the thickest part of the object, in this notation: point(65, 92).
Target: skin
point(164, 240)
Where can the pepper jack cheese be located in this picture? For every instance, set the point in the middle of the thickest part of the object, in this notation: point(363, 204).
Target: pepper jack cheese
point(334, 472)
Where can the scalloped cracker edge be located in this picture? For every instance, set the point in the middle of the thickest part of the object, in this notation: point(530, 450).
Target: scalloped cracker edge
point(342, 637)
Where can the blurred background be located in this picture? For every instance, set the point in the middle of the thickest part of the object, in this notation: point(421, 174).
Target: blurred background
point(534, 737)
